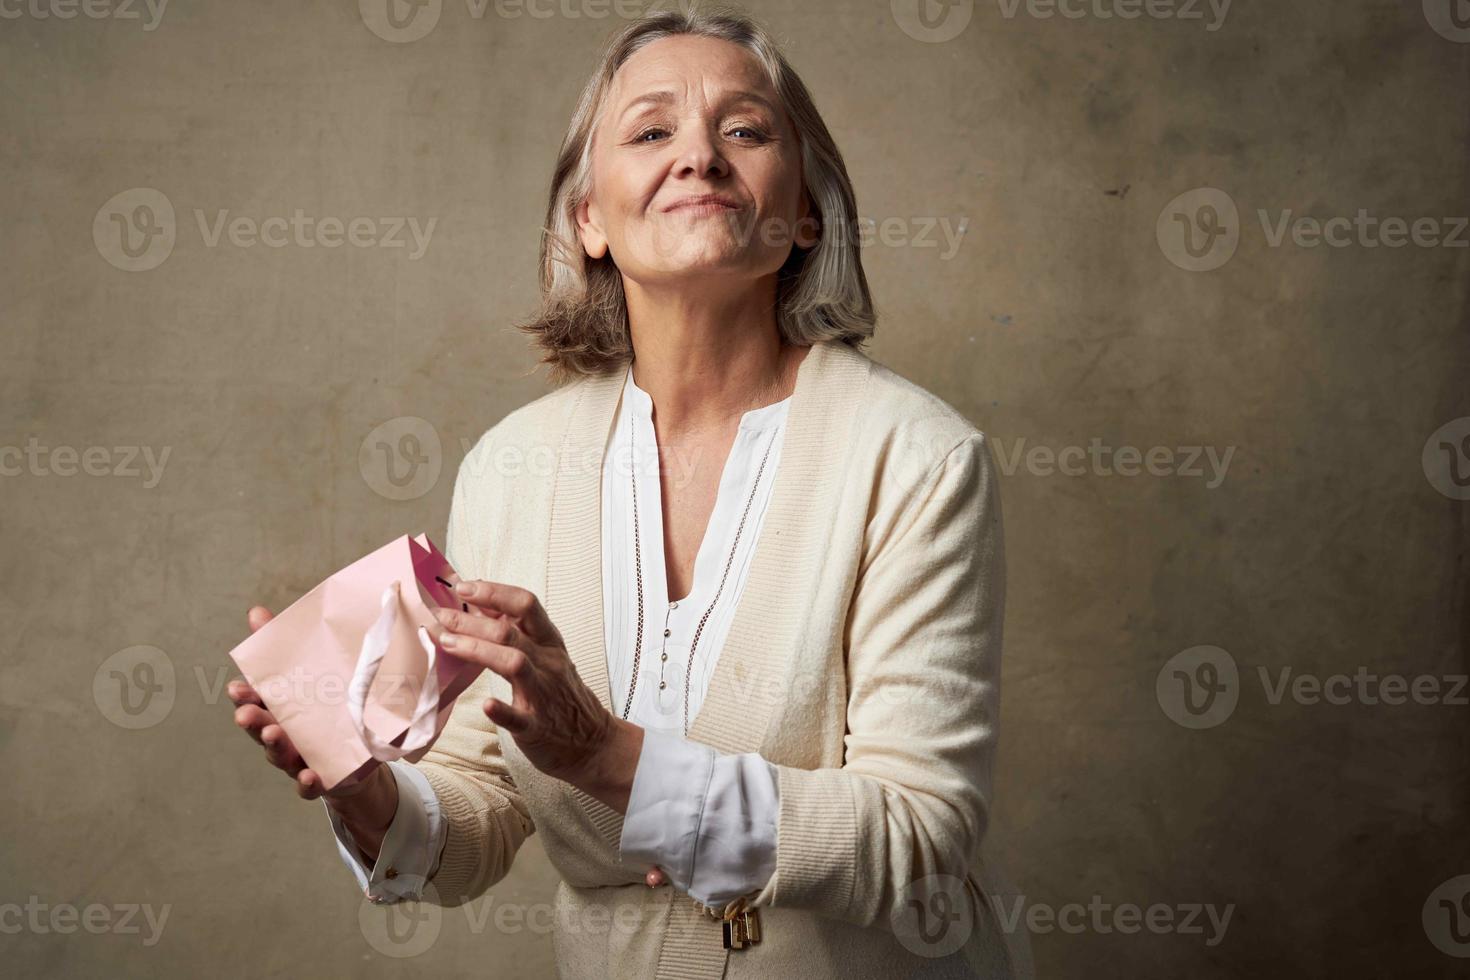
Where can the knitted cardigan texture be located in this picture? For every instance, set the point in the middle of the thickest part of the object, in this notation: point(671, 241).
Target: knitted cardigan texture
point(863, 661)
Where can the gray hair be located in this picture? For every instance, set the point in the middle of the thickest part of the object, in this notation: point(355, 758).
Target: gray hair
point(822, 293)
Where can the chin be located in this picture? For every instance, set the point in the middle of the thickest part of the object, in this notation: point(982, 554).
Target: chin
point(705, 261)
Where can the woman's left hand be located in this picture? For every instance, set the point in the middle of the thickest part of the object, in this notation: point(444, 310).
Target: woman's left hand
point(555, 718)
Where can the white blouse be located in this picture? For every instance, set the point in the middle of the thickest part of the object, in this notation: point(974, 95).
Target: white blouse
point(707, 818)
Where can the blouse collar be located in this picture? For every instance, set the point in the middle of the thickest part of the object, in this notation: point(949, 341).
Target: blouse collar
point(765, 417)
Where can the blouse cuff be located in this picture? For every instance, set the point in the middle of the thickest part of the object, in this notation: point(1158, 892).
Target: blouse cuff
point(411, 848)
point(708, 819)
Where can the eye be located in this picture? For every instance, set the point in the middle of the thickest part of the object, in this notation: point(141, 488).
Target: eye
point(652, 131)
point(753, 135)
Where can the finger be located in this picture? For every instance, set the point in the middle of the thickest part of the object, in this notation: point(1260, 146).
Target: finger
point(494, 643)
point(240, 692)
point(279, 750)
point(511, 601)
point(504, 630)
point(308, 784)
point(507, 716)
point(253, 718)
point(258, 616)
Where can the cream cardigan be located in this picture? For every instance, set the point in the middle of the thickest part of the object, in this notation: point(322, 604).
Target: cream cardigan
point(863, 661)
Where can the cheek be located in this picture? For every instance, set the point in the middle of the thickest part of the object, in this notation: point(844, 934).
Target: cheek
point(782, 189)
point(779, 207)
point(627, 197)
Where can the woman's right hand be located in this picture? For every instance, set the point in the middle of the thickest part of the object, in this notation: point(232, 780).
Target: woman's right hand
point(367, 804)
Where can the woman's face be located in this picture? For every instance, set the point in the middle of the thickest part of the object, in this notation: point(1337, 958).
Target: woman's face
point(690, 118)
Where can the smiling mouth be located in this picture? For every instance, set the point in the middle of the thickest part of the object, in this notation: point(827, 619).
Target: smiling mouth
point(703, 205)
point(702, 210)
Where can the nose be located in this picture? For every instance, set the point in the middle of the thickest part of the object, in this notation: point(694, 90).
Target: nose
point(699, 154)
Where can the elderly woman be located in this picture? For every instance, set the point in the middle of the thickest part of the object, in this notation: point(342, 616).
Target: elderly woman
point(738, 588)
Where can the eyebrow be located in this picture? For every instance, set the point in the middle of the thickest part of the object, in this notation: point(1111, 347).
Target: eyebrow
point(665, 97)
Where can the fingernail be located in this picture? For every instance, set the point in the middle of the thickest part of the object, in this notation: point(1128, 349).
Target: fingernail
point(448, 641)
point(464, 588)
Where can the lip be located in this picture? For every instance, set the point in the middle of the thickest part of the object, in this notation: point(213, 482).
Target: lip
point(702, 201)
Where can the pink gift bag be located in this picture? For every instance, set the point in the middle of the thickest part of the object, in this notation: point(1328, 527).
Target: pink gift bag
point(349, 669)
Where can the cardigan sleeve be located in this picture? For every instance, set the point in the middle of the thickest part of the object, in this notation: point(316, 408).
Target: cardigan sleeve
point(923, 647)
point(485, 817)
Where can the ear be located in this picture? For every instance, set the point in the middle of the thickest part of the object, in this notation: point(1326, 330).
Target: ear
point(808, 224)
point(589, 229)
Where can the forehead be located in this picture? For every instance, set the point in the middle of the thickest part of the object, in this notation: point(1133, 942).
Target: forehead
point(692, 68)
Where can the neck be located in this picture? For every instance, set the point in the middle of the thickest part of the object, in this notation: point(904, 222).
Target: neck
point(707, 360)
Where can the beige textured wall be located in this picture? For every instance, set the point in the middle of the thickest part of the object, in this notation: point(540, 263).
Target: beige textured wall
point(1069, 313)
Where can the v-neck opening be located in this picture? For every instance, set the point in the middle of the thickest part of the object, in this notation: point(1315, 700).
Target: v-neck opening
point(763, 629)
point(755, 420)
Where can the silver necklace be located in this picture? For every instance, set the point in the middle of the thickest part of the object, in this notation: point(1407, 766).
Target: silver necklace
point(638, 566)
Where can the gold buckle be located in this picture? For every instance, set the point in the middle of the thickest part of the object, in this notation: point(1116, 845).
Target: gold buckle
point(741, 926)
point(742, 929)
